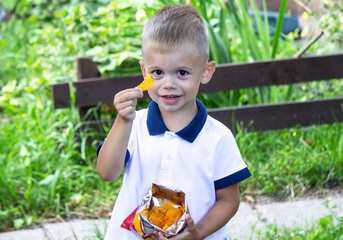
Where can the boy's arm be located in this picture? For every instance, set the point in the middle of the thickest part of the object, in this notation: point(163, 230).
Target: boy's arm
point(225, 207)
point(112, 154)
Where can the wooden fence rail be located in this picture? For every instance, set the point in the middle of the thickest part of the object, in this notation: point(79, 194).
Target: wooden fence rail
point(92, 90)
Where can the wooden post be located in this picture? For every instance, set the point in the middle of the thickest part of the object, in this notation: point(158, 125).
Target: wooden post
point(86, 68)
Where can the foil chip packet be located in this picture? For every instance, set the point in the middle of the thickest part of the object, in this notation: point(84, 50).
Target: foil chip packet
point(162, 208)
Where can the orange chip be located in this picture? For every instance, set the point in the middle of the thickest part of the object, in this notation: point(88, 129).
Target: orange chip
point(147, 83)
point(156, 216)
point(165, 216)
point(162, 208)
point(145, 213)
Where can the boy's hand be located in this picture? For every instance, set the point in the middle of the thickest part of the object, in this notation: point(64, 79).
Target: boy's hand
point(125, 103)
point(189, 233)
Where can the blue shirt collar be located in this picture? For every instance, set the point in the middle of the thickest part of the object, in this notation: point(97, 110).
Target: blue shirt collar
point(190, 132)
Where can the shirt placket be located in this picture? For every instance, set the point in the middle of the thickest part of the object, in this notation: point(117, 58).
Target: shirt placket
point(167, 161)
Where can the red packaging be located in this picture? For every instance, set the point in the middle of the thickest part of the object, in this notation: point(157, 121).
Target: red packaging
point(162, 208)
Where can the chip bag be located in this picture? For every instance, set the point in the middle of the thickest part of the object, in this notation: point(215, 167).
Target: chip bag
point(162, 208)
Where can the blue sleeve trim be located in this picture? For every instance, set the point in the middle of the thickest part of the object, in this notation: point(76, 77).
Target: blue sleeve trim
point(127, 156)
point(232, 179)
point(98, 148)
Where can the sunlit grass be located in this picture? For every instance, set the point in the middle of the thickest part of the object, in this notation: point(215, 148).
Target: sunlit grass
point(291, 162)
point(329, 227)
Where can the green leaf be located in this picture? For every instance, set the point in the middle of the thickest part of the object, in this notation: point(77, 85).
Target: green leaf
point(9, 4)
point(324, 222)
point(278, 28)
point(48, 180)
point(96, 51)
point(18, 223)
point(262, 28)
point(28, 220)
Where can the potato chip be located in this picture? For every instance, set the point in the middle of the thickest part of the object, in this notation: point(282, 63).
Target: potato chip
point(147, 83)
point(165, 216)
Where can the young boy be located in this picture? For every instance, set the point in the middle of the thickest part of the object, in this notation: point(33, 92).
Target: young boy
point(174, 142)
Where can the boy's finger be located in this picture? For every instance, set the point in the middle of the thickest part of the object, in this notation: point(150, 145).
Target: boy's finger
point(158, 236)
point(190, 223)
point(127, 95)
point(130, 93)
point(140, 92)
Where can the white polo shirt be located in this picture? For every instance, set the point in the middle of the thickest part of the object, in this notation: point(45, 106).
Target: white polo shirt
point(199, 159)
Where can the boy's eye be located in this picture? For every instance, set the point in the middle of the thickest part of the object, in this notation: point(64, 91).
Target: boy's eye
point(182, 72)
point(157, 72)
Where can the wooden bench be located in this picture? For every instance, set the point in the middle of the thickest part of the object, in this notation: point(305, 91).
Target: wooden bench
point(92, 90)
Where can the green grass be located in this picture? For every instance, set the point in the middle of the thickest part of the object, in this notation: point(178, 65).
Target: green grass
point(293, 161)
point(330, 227)
point(45, 171)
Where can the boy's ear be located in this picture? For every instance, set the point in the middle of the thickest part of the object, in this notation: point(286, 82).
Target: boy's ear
point(141, 63)
point(208, 72)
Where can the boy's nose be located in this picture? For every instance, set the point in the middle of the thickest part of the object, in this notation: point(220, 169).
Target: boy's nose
point(168, 81)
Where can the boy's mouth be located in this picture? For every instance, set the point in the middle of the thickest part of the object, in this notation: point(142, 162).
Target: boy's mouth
point(170, 97)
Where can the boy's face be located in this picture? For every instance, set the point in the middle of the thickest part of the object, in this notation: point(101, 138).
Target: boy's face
point(177, 76)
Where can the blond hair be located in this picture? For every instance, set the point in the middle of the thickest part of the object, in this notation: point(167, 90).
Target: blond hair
point(173, 26)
